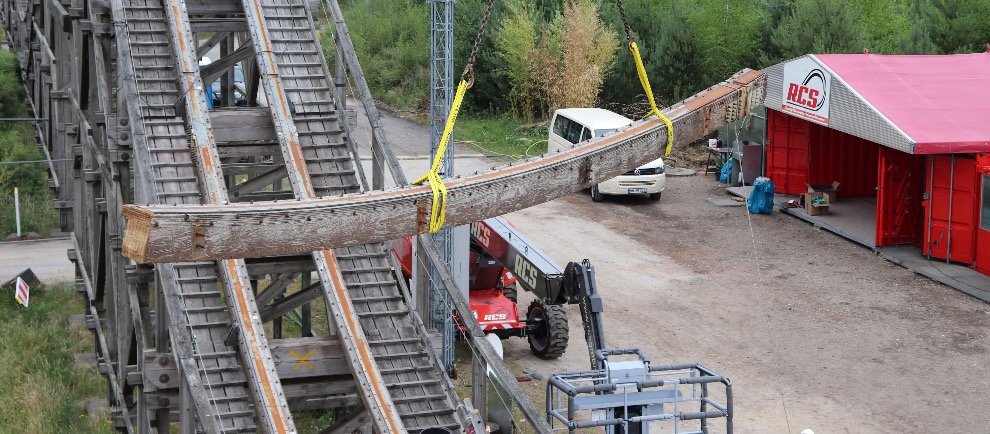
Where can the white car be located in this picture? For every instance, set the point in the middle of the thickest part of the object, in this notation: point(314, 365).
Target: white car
point(571, 126)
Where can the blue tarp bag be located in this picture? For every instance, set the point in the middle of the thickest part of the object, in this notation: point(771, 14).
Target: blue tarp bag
point(723, 176)
point(761, 198)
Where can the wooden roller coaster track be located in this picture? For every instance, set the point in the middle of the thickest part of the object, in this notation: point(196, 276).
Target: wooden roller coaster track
point(214, 337)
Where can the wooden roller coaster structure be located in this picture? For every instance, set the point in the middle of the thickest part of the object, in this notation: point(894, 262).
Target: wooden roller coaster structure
point(202, 338)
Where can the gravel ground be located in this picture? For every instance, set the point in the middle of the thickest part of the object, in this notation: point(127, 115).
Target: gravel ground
point(813, 330)
point(46, 258)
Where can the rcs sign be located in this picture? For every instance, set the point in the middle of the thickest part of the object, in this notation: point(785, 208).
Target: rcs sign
point(806, 96)
point(806, 90)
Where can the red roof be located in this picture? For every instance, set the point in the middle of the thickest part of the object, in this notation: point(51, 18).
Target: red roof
point(942, 102)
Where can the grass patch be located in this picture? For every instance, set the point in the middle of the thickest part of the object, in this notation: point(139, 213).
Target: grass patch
point(501, 137)
point(41, 388)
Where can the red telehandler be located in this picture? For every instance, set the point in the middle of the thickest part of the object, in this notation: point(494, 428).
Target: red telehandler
point(502, 260)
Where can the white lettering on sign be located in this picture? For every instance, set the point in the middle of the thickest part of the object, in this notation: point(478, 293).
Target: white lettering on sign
point(806, 90)
point(482, 233)
point(495, 317)
point(525, 271)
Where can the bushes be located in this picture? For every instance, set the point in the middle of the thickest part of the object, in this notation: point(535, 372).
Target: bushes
point(17, 143)
point(686, 45)
point(562, 63)
point(393, 42)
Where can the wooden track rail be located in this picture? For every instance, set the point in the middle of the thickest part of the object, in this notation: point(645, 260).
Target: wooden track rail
point(171, 233)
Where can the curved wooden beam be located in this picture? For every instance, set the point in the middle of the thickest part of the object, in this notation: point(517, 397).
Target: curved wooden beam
point(157, 233)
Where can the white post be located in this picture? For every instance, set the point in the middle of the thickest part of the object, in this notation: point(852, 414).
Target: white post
point(17, 212)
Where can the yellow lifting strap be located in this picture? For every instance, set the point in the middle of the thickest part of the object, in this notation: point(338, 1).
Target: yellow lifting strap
point(645, 80)
point(439, 209)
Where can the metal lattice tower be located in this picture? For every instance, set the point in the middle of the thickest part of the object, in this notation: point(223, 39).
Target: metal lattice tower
point(441, 96)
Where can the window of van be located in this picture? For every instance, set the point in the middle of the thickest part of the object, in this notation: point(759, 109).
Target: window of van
point(985, 212)
point(604, 131)
point(571, 131)
point(585, 134)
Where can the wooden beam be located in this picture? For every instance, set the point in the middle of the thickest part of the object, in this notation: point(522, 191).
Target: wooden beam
point(292, 301)
point(258, 182)
point(218, 67)
point(354, 423)
point(207, 45)
point(244, 125)
point(198, 232)
point(275, 288)
point(295, 358)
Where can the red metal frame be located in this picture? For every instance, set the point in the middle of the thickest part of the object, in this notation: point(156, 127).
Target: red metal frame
point(951, 232)
point(787, 152)
point(900, 214)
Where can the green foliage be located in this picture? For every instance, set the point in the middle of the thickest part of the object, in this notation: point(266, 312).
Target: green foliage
point(11, 92)
point(562, 63)
point(726, 38)
point(887, 24)
point(501, 137)
point(959, 26)
point(393, 43)
point(686, 45)
point(516, 42)
point(42, 387)
point(17, 143)
point(918, 40)
point(491, 88)
point(819, 26)
point(37, 213)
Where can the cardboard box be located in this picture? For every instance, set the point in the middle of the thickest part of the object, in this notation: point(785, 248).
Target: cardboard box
point(815, 207)
point(832, 190)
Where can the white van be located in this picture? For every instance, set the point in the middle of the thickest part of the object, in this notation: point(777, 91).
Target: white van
point(571, 126)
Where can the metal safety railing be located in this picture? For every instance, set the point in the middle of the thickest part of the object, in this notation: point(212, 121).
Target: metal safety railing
point(679, 396)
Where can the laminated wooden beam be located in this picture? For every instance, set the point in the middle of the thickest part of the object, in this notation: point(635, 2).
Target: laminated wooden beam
point(198, 232)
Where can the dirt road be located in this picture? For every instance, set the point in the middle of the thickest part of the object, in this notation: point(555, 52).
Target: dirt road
point(813, 330)
point(46, 258)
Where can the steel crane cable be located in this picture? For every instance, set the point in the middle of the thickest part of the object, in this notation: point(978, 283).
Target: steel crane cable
point(439, 207)
point(645, 80)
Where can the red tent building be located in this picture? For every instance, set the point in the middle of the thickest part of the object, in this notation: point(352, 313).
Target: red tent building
point(906, 137)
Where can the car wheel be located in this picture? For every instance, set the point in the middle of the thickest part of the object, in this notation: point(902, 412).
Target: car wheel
point(596, 196)
point(655, 196)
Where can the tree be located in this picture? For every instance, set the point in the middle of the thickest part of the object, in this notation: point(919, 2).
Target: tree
point(886, 24)
point(677, 59)
point(516, 42)
point(726, 36)
point(919, 40)
point(11, 92)
point(960, 26)
point(819, 26)
point(587, 50)
point(562, 63)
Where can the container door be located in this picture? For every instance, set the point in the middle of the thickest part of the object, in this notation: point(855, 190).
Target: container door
point(787, 152)
point(901, 183)
point(983, 233)
point(951, 230)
